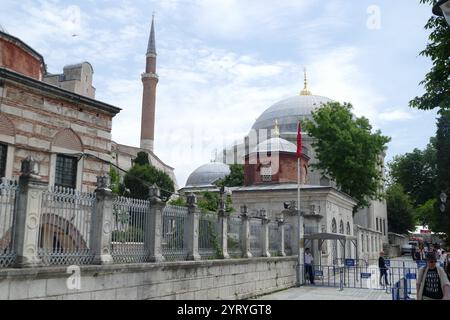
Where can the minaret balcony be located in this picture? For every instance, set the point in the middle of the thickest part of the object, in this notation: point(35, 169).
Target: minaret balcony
point(150, 75)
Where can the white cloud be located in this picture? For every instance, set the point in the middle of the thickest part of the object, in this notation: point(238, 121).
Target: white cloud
point(395, 115)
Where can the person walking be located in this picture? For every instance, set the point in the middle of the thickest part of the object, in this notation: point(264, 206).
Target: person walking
point(309, 259)
point(432, 282)
point(383, 269)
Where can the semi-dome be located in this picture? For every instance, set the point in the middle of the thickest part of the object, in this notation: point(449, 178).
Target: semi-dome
point(287, 112)
point(207, 174)
point(275, 144)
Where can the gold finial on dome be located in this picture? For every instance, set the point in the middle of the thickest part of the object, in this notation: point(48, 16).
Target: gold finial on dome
point(305, 91)
point(276, 130)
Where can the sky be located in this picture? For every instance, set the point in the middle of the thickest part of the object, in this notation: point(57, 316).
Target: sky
point(221, 63)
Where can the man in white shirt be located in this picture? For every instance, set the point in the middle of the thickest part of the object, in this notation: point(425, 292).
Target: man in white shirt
point(309, 259)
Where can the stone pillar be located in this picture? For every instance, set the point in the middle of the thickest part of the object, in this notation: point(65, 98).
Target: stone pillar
point(281, 251)
point(265, 236)
point(28, 214)
point(102, 222)
point(153, 226)
point(245, 235)
point(191, 229)
point(223, 226)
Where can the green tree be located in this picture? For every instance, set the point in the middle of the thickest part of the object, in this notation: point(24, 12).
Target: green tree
point(437, 81)
point(235, 178)
point(348, 151)
point(209, 201)
point(425, 214)
point(416, 172)
point(142, 158)
point(400, 210)
point(140, 177)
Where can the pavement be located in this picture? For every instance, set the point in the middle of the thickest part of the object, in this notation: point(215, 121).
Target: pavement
point(327, 293)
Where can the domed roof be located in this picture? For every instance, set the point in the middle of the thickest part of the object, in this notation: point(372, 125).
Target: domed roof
point(207, 174)
point(288, 112)
point(275, 144)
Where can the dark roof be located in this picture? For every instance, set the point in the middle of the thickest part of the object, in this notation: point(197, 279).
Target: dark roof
point(8, 75)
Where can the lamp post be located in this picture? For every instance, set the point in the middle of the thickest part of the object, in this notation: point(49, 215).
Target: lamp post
point(442, 8)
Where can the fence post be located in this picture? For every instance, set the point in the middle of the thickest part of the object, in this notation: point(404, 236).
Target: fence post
point(27, 222)
point(102, 222)
point(280, 221)
point(291, 217)
point(265, 236)
point(223, 225)
point(245, 235)
point(153, 226)
point(191, 229)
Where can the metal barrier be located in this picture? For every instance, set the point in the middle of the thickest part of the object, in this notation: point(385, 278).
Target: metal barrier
point(234, 237)
point(363, 277)
point(255, 237)
point(8, 195)
point(274, 238)
point(127, 240)
point(65, 225)
point(174, 220)
point(208, 236)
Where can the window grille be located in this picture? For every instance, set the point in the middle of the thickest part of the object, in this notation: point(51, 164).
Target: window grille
point(66, 171)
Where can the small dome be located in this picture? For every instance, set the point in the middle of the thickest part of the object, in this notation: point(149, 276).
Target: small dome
point(275, 144)
point(287, 112)
point(207, 174)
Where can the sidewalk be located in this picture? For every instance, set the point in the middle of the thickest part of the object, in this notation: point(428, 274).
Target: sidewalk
point(327, 293)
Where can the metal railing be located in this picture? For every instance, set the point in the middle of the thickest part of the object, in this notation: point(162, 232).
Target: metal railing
point(8, 196)
point(234, 237)
point(208, 236)
point(288, 230)
point(274, 238)
point(174, 219)
point(128, 233)
point(65, 225)
point(255, 237)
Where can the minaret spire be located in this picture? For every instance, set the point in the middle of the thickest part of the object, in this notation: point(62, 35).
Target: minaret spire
point(149, 81)
point(151, 48)
point(305, 91)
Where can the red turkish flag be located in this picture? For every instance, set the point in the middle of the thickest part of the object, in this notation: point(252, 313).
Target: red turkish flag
point(299, 140)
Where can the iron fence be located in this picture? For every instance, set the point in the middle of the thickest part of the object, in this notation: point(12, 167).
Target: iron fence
point(208, 236)
point(65, 225)
point(174, 220)
point(128, 234)
point(274, 238)
point(234, 229)
point(255, 237)
point(288, 231)
point(8, 195)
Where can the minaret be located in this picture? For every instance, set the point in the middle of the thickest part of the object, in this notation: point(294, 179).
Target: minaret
point(149, 81)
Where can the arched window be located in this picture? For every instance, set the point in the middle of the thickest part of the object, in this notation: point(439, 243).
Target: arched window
point(333, 226)
point(341, 227)
point(348, 228)
point(7, 141)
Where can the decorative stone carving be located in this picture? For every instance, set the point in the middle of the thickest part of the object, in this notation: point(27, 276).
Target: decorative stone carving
point(30, 166)
point(103, 182)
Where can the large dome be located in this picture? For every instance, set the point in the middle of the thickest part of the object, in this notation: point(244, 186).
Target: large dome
point(207, 174)
point(275, 144)
point(287, 112)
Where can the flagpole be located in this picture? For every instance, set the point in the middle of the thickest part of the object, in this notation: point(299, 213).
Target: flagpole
point(300, 268)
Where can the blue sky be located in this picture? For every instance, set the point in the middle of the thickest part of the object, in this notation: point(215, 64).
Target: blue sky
point(222, 63)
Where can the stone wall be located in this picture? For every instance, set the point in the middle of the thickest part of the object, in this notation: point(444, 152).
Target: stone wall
point(207, 280)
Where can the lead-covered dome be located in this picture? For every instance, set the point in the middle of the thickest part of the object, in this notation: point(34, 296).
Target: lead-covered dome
point(207, 174)
point(275, 144)
point(287, 112)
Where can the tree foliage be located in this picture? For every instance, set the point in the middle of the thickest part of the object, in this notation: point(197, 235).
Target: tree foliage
point(348, 151)
point(142, 158)
point(235, 178)
point(437, 81)
point(416, 172)
point(400, 210)
point(140, 177)
point(209, 201)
